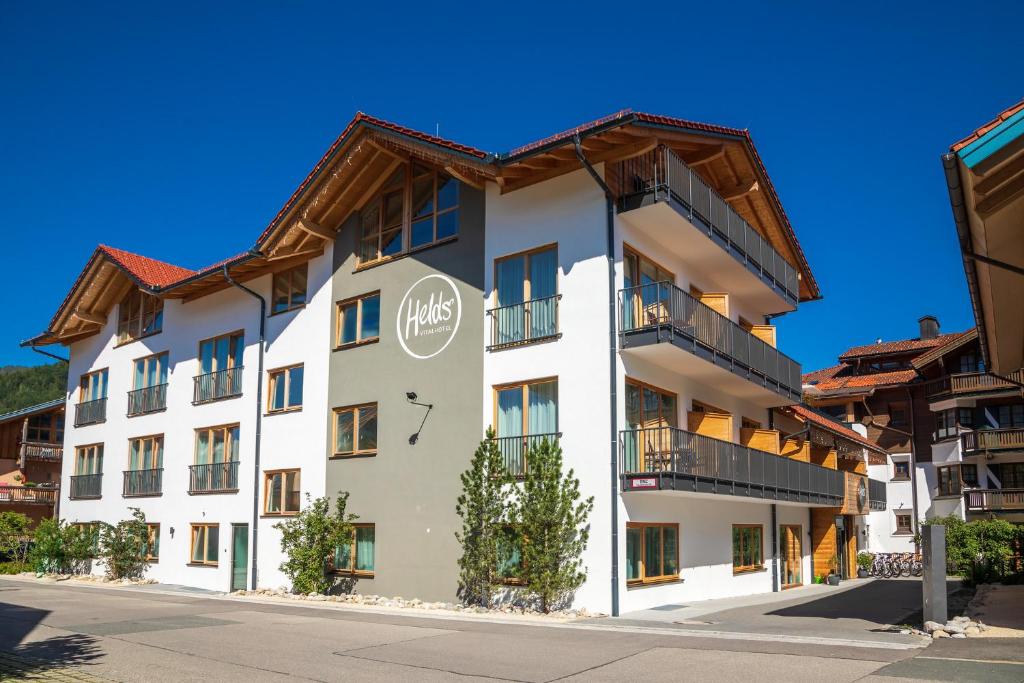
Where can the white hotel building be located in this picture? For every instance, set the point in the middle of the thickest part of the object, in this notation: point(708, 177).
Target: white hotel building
point(612, 287)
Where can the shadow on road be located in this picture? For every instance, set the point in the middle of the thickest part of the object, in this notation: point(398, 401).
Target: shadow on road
point(23, 658)
point(885, 601)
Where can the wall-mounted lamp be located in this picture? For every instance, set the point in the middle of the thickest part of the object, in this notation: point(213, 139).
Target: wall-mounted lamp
point(411, 397)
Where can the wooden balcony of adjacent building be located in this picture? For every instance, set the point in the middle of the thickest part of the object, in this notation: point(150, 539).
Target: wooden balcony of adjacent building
point(984, 501)
point(40, 451)
point(969, 384)
point(662, 197)
point(988, 440)
point(28, 495)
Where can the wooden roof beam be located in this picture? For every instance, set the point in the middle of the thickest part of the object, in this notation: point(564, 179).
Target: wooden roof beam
point(87, 317)
point(704, 156)
point(464, 177)
point(742, 189)
point(309, 227)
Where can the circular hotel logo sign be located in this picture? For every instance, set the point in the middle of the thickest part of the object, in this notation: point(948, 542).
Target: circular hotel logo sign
point(429, 316)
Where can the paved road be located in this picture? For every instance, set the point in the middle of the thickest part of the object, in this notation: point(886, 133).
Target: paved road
point(130, 635)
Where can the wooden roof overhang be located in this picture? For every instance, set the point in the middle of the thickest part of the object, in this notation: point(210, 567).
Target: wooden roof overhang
point(845, 447)
point(724, 158)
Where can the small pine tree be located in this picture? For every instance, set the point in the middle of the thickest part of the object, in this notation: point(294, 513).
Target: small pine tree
point(309, 540)
point(122, 547)
point(482, 509)
point(551, 521)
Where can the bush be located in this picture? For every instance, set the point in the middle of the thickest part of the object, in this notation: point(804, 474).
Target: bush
point(61, 548)
point(309, 540)
point(8, 568)
point(14, 535)
point(122, 547)
point(982, 550)
point(865, 560)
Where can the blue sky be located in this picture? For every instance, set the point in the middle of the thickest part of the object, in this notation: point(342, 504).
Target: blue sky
point(178, 130)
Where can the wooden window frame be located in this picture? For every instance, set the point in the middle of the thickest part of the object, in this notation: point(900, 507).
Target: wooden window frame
point(351, 571)
point(898, 408)
point(629, 251)
point(404, 227)
point(702, 407)
point(745, 569)
point(896, 476)
point(146, 360)
point(664, 578)
point(232, 361)
point(54, 434)
point(87, 377)
point(268, 476)
point(527, 283)
point(152, 532)
point(286, 371)
point(357, 303)
point(524, 385)
point(290, 274)
point(356, 453)
point(897, 530)
point(206, 544)
point(122, 334)
point(228, 441)
point(147, 437)
point(661, 392)
point(93, 447)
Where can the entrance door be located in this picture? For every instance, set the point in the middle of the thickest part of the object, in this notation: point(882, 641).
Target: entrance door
point(239, 556)
point(792, 556)
point(841, 545)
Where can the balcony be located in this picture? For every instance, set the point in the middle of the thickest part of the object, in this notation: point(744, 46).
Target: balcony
point(91, 412)
point(218, 477)
point(662, 197)
point(514, 450)
point(147, 400)
point(27, 495)
point(86, 486)
point(711, 347)
point(38, 450)
point(994, 500)
point(971, 383)
point(214, 386)
point(528, 322)
point(138, 483)
point(666, 458)
point(984, 440)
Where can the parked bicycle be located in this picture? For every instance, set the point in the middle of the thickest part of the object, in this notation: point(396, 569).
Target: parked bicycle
point(892, 565)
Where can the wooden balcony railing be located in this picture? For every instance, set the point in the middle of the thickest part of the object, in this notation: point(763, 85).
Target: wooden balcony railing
point(37, 450)
point(27, 495)
point(994, 500)
point(966, 383)
point(992, 440)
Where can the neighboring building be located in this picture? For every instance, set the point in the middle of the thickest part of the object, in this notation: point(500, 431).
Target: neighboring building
point(985, 179)
point(31, 449)
point(610, 287)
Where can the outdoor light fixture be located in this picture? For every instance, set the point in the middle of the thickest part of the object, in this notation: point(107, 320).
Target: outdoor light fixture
point(411, 397)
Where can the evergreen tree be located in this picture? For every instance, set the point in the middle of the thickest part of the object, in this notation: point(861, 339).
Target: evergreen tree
point(309, 540)
point(551, 523)
point(482, 509)
point(122, 547)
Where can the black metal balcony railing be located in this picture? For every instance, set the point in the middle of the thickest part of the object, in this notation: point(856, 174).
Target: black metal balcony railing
point(86, 485)
point(91, 412)
point(992, 440)
point(515, 450)
point(27, 495)
point(143, 482)
point(967, 383)
point(670, 314)
point(147, 400)
point(994, 500)
point(523, 323)
point(675, 459)
point(660, 175)
point(876, 494)
point(217, 385)
point(213, 478)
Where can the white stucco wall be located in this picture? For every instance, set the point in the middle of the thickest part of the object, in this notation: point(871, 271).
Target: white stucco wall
point(882, 536)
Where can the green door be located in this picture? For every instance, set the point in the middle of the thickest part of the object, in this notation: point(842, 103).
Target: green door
point(239, 556)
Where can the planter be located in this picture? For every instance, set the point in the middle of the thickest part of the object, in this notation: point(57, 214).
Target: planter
point(862, 573)
point(833, 579)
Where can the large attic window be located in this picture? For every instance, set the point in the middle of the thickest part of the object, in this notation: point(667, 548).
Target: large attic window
point(139, 315)
point(416, 207)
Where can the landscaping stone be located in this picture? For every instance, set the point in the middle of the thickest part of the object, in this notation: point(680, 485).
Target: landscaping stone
point(930, 626)
point(953, 627)
point(958, 635)
point(972, 631)
point(939, 633)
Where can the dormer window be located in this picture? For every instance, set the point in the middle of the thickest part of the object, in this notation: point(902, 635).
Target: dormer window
point(416, 207)
point(139, 315)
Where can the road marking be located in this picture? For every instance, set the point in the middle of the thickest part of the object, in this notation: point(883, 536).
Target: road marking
point(978, 661)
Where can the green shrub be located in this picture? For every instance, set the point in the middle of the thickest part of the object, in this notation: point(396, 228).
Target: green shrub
point(982, 550)
point(8, 568)
point(14, 535)
point(309, 540)
point(122, 547)
point(865, 560)
point(61, 548)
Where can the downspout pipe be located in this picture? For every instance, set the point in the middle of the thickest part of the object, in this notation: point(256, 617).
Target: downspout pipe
point(612, 367)
point(259, 422)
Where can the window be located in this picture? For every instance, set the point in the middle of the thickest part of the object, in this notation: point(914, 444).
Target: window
point(652, 552)
point(897, 415)
point(417, 201)
point(525, 414)
point(358, 320)
point(747, 423)
point(949, 422)
point(970, 362)
point(526, 296)
point(1008, 417)
point(289, 290)
point(151, 371)
point(46, 428)
point(216, 445)
point(205, 538)
point(355, 430)
point(151, 549)
point(949, 480)
point(903, 523)
point(221, 353)
point(510, 555)
point(89, 459)
point(281, 492)
point(647, 285)
point(285, 389)
point(969, 476)
point(747, 547)
point(650, 415)
point(885, 366)
point(93, 386)
point(1009, 474)
point(146, 453)
point(357, 556)
point(901, 469)
point(139, 315)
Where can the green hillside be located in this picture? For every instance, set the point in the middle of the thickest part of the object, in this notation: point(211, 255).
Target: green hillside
point(21, 387)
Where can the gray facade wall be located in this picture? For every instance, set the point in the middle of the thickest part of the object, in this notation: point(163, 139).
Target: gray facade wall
point(409, 491)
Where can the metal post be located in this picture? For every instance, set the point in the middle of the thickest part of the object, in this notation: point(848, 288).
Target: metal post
point(933, 552)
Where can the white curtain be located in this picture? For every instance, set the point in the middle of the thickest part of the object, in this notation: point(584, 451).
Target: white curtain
point(543, 287)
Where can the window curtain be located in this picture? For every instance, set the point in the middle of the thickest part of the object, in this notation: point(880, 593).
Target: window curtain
point(365, 542)
point(631, 439)
point(140, 374)
point(203, 448)
point(543, 408)
point(543, 288)
point(135, 464)
point(633, 545)
point(510, 314)
point(206, 357)
point(295, 387)
point(510, 423)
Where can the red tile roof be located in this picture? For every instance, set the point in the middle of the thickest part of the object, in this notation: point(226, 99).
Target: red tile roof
point(840, 377)
point(809, 415)
point(1003, 115)
point(148, 271)
point(901, 346)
